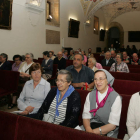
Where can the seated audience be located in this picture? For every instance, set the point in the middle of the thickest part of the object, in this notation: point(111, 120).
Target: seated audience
point(71, 56)
point(4, 64)
point(85, 58)
point(81, 74)
point(89, 52)
point(107, 61)
point(133, 115)
point(126, 58)
point(135, 60)
point(18, 61)
point(62, 104)
point(113, 55)
point(51, 55)
point(112, 48)
point(65, 54)
point(92, 63)
point(34, 91)
point(102, 109)
point(47, 65)
point(102, 53)
point(119, 66)
point(60, 61)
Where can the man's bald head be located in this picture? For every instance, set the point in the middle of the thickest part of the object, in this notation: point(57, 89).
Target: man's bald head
point(59, 54)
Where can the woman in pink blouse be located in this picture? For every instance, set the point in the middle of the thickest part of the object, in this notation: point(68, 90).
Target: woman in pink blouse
point(85, 58)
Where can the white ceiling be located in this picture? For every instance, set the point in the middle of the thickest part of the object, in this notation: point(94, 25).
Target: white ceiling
point(110, 8)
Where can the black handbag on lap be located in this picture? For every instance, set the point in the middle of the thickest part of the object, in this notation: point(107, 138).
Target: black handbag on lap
point(95, 125)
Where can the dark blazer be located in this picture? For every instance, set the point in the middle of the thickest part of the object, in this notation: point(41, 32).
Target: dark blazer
point(47, 68)
point(6, 66)
point(61, 63)
point(72, 111)
point(111, 61)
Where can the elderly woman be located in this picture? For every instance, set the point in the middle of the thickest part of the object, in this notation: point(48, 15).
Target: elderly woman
point(18, 61)
point(119, 66)
point(63, 103)
point(92, 64)
point(98, 65)
point(24, 67)
point(133, 115)
point(71, 57)
point(85, 58)
point(34, 91)
point(102, 109)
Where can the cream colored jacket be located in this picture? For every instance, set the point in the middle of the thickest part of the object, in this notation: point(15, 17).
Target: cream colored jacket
point(133, 114)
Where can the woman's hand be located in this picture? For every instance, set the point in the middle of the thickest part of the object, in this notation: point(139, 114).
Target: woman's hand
point(29, 109)
point(24, 112)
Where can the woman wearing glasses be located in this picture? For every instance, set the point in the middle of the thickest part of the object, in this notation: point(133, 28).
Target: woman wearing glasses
point(34, 91)
point(62, 104)
point(119, 66)
point(102, 109)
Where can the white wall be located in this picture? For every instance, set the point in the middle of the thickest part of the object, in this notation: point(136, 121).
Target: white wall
point(26, 37)
point(130, 22)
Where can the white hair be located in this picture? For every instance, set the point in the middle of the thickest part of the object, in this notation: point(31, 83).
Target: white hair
point(93, 60)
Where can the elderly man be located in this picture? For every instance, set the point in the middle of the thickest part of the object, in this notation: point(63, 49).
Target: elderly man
point(4, 64)
point(113, 55)
point(81, 74)
point(107, 61)
point(135, 60)
point(60, 61)
point(126, 58)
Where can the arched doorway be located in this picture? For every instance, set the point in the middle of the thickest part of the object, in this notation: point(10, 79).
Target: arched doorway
point(115, 26)
point(114, 37)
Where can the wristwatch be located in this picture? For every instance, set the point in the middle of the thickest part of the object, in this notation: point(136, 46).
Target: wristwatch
point(100, 131)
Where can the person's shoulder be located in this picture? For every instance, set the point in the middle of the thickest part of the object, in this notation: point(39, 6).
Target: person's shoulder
point(135, 96)
point(45, 82)
point(28, 82)
point(69, 67)
point(113, 64)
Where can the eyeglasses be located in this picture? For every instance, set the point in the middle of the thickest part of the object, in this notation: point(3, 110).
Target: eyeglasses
point(100, 79)
point(61, 81)
point(36, 72)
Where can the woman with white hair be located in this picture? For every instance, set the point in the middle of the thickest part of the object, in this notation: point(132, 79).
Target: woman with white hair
point(92, 64)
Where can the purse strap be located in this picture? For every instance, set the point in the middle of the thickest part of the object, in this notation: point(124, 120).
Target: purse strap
point(28, 69)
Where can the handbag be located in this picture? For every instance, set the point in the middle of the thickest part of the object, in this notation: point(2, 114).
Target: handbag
point(24, 79)
point(95, 125)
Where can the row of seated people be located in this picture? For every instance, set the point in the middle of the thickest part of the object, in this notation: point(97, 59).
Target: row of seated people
point(47, 64)
point(102, 109)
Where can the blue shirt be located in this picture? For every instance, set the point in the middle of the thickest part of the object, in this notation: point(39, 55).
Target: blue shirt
point(33, 97)
point(85, 74)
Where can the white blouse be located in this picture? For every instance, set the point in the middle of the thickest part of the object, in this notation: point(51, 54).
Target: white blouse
point(25, 67)
point(114, 117)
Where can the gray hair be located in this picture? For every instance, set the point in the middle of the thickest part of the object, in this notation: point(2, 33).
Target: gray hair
point(31, 55)
point(119, 55)
point(108, 52)
point(93, 60)
point(79, 54)
point(4, 55)
point(69, 77)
